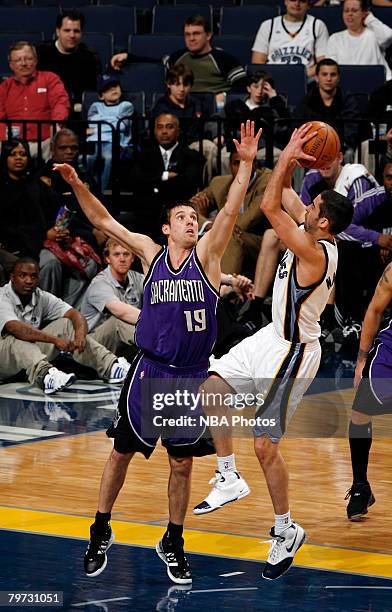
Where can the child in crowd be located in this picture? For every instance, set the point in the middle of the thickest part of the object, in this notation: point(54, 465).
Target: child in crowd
point(112, 109)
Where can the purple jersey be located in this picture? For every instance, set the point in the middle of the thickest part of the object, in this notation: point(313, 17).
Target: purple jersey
point(177, 323)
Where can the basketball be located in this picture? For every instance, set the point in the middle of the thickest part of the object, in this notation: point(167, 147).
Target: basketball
point(325, 146)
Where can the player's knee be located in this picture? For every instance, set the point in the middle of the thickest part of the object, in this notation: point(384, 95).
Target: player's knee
point(265, 450)
point(181, 466)
point(359, 418)
point(120, 460)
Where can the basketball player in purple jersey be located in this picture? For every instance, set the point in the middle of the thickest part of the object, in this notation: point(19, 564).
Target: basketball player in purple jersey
point(175, 333)
point(373, 382)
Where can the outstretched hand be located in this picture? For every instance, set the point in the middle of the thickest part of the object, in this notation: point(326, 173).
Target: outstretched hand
point(247, 148)
point(298, 138)
point(67, 172)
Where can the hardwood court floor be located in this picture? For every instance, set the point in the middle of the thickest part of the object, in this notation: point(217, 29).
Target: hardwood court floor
point(48, 482)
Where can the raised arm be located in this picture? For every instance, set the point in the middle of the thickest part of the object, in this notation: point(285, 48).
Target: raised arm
point(286, 228)
point(141, 245)
point(214, 242)
point(371, 324)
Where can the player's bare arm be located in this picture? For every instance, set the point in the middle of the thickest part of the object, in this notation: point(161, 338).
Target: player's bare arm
point(371, 324)
point(291, 201)
point(299, 242)
point(141, 245)
point(214, 243)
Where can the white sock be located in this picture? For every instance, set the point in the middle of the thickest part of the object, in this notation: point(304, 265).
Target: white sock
point(226, 464)
point(282, 522)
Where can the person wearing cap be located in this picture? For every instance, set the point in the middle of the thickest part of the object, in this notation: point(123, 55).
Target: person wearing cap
point(111, 109)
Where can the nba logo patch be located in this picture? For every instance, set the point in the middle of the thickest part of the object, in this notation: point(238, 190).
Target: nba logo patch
point(141, 376)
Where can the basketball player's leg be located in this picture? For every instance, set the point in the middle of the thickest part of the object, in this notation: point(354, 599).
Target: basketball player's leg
point(170, 548)
point(365, 405)
point(287, 536)
point(228, 376)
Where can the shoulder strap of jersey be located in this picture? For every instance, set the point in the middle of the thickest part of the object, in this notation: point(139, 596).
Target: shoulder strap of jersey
point(271, 28)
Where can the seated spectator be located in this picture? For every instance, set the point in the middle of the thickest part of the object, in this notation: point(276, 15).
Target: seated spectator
point(35, 326)
point(29, 207)
point(65, 149)
point(112, 109)
point(190, 111)
point(294, 38)
point(162, 172)
point(214, 70)
point(356, 257)
point(245, 242)
point(31, 94)
point(179, 101)
point(112, 302)
point(327, 102)
point(7, 262)
point(364, 40)
point(263, 105)
point(67, 56)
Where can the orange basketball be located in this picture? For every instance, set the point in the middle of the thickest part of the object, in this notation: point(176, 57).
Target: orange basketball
point(325, 146)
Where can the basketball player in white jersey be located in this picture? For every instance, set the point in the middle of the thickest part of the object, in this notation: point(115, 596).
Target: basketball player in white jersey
point(277, 364)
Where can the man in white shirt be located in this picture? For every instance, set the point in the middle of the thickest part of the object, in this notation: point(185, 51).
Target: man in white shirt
point(292, 38)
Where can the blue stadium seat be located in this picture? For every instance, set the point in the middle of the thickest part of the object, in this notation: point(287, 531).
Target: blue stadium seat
point(26, 19)
point(244, 20)
point(65, 4)
point(9, 38)
point(215, 3)
point(102, 43)
point(13, 3)
point(155, 46)
point(238, 46)
point(120, 20)
point(278, 3)
point(143, 76)
point(361, 79)
point(170, 19)
point(383, 13)
point(331, 15)
point(143, 4)
point(290, 79)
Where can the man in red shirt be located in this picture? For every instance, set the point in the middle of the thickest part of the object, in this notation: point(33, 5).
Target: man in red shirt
point(31, 94)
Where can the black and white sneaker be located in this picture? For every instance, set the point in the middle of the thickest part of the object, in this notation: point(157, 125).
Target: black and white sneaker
point(282, 550)
point(177, 565)
point(95, 559)
point(361, 497)
point(225, 489)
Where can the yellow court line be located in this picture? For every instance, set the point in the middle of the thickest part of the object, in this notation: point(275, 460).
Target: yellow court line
point(241, 547)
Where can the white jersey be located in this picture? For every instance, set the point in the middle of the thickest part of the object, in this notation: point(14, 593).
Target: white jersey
point(296, 310)
point(286, 42)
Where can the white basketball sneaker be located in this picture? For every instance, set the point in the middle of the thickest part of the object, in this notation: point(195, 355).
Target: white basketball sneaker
point(119, 371)
point(282, 550)
point(226, 488)
point(56, 380)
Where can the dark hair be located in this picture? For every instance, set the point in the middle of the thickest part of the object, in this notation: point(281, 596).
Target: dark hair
point(255, 77)
point(178, 71)
point(198, 20)
point(327, 61)
point(63, 132)
point(365, 4)
point(24, 260)
point(6, 150)
point(166, 210)
point(72, 15)
point(337, 209)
